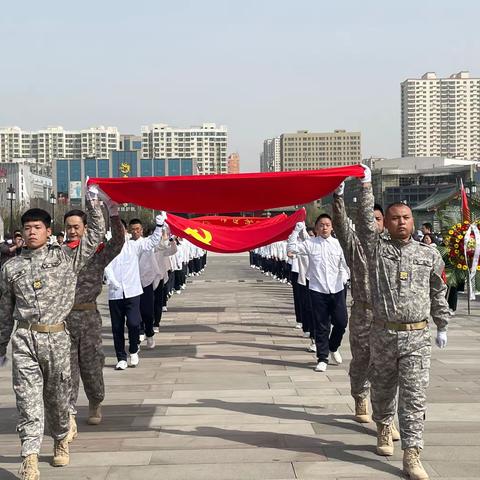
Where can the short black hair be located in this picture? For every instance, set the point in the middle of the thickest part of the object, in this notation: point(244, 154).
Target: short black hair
point(428, 225)
point(396, 204)
point(310, 229)
point(322, 216)
point(135, 221)
point(76, 213)
point(124, 223)
point(429, 235)
point(378, 207)
point(37, 215)
point(60, 234)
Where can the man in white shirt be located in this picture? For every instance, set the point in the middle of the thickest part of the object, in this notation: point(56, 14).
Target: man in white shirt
point(327, 273)
point(125, 289)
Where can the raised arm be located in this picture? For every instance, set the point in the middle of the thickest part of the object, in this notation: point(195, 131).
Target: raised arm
point(294, 247)
point(95, 231)
point(341, 223)
point(114, 246)
point(366, 225)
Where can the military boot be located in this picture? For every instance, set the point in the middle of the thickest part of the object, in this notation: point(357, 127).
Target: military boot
point(412, 466)
point(94, 413)
point(395, 432)
point(29, 468)
point(61, 453)
point(361, 410)
point(73, 432)
point(384, 440)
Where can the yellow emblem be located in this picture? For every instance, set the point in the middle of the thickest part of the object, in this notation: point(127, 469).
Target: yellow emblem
point(37, 284)
point(125, 168)
point(206, 238)
point(403, 275)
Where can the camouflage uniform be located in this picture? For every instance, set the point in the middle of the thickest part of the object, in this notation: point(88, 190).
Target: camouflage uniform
point(361, 312)
point(406, 283)
point(85, 323)
point(38, 288)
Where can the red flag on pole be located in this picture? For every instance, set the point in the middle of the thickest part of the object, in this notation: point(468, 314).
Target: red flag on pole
point(465, 207)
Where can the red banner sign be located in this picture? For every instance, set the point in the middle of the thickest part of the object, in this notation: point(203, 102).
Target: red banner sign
point(242, 192)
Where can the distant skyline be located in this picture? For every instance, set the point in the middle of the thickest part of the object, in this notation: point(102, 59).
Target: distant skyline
point(261, 68)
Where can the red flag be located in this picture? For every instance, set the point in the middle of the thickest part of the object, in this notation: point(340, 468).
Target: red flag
point(226, 193)
point(234, 239)
point(465, 207)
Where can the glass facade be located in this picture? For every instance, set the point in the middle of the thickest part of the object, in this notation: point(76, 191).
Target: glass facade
point(62, 176)
point(158, 167)
point(146, 167)
point(103, 170)
point(173, 167)
point(90, 166)
point(75, 170)
point(124, 164)
point(187, 166)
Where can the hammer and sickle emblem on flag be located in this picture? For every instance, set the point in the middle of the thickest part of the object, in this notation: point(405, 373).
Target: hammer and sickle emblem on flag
point(206, 238)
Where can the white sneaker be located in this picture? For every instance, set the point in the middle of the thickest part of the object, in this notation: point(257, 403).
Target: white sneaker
point(321, 367)
point(156, 329)
point(336, 357)
point(142, 337)
point(284, 280)
point(312, 348)
point(164, 309)
point(298, 326)
point(150, 342)
point(134, 359)
point(178, 292)
point(183, 287)
point(121, 365)
point(306, 334)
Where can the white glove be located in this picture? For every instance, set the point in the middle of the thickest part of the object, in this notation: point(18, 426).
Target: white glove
point(299, 226)
point(91, 193)
point(3, 360)
point(339, 190)
point(441, 339)
point(111, 205)
point(161, 218)
point(367, 174)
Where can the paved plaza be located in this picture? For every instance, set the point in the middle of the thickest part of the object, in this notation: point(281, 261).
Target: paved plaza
point(230, 393)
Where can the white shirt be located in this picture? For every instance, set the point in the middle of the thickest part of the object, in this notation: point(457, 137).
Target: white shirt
point(123, 272)
point(327, 268)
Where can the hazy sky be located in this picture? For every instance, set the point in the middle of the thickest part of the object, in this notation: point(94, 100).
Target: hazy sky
point(260, 67)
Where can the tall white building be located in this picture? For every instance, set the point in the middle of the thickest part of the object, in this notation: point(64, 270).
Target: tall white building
point(441, 116)
point(270, 160)
point(53, 143)
point(206, 145)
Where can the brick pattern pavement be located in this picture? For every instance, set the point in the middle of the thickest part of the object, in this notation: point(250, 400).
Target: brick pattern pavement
point(229, 393)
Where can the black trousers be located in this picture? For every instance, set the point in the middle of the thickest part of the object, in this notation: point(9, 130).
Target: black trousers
point(306, 313)
point(328, 309)
point(197, 264)
point(147, 311)
point(157, 304)
point(296, 297)
point(120, 310)
point(177, 283)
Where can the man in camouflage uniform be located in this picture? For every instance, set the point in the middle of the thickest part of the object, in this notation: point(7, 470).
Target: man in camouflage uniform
point(37, 290)
point(361, 312)
point(84, 321)
point(406, 283)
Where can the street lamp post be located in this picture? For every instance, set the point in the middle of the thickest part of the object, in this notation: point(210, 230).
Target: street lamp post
point(11, 199)
point(53, 201)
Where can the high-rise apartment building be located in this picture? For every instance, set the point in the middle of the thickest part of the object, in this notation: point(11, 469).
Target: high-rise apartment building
point(270, 157)
point(441, 116)
point(306, 150)
point(206, 145)
point(54, 142)
point(233, 163)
